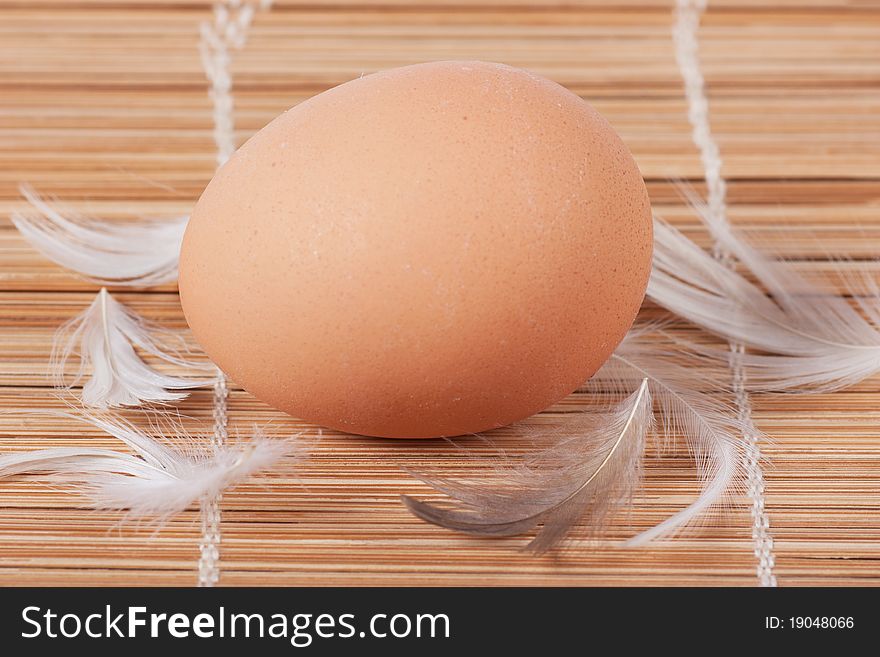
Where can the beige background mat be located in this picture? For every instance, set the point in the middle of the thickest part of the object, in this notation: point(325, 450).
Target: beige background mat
point(104, 103)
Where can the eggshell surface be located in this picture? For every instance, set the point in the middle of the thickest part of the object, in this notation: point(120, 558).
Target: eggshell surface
point(428, 251)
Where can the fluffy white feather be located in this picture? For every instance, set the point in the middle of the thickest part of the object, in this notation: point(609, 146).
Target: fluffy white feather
point(585, 475)
point(691, 406)
point(104, 337)
point(156, 480)
point(813, 339)
point(139, 253)
point(591, 470)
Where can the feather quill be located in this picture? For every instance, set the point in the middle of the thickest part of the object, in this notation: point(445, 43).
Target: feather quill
point(156, 480)
point(138, 254)
point(104, 337)
point(811, 339)
point(586, 476)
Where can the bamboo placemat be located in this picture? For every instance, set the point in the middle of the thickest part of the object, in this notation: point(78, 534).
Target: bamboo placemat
point(104, 103)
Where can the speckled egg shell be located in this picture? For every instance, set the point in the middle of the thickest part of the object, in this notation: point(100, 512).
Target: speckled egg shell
point(432, 250)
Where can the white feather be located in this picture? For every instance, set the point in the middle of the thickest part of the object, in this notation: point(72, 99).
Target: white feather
point(139, 253)
point(589, 473)
point(813, 339)
point(692, 407)
point(156, 480)
point(104, 337)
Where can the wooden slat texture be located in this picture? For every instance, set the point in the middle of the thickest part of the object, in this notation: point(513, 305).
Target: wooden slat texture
point(104, 103)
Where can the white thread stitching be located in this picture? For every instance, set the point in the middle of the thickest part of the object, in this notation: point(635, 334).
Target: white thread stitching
point(687, 22)
point(209, 548)
point(232, 18)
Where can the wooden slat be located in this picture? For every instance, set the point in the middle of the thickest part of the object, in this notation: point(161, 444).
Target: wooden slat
point(103, 103)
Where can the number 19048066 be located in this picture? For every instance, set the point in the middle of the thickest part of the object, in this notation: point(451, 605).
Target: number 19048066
point(821, 622)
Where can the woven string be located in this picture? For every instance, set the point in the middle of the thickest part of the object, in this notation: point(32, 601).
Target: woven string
point(687, 22)
point(228, 31)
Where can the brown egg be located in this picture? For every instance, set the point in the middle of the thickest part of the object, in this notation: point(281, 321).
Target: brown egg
point(428, 251)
